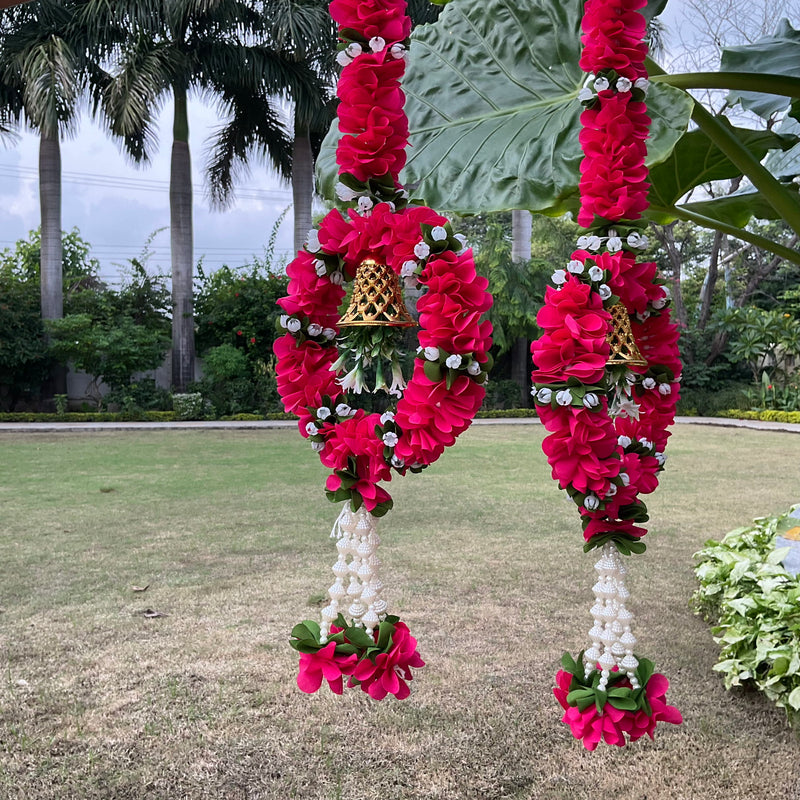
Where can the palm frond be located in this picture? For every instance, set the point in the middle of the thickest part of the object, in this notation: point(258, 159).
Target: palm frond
point(254, 129)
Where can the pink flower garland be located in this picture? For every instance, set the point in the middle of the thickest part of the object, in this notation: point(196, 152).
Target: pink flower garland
point(605, 462)
point(446, 388)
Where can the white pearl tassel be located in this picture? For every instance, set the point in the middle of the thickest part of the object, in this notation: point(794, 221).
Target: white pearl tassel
point(611, 637)
point(360, 599)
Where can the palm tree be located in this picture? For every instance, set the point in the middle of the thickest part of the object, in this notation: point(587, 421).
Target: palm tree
point(304, 33)
point(179, 47)
point(47, 61)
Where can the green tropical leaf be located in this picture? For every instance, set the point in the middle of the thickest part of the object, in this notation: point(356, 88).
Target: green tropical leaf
point(696, 160)
point(493, 111)
point(778, 54)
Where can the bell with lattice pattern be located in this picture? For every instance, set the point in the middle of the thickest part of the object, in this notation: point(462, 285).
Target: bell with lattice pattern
point(624, 351)
point(377, 298)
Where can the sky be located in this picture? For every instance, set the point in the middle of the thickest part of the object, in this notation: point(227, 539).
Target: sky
point(116, 206)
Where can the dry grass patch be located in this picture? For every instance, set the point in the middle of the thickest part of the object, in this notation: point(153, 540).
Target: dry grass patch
point(229, 532)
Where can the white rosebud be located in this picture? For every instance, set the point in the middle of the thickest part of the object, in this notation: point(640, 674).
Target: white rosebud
point(311, 429)
point(312, 241)
point(604, 291)
point(398, 51)
point(643, 241)
point(398, 462)
point(624, 84)
point(544, 395)
point(612, 490)
point(659, 303)
point(283, 319)
point(661, 458)
point(474, 368)
point(314, 329)
point(614, 244)
point(564, 397)
point(631, 377)
point(390, 438)
point(343, 410)
point(432, 353)
point(601, 84)
point(323, 412)
point(624, 442)
point(625, 478)
point(365, 204)
point(591, 400)
point(595, 243)
point(317, 446)
point(462, 241)
point(642, 83)
point(591, 503)
point(408, 269)
point(575, 267)
point(453, 361)
point(294, 325)
point(585, 94)
point(438, 234)
point(646, 443)
point(649, 383)
point(344, 192)
point(582, 242)
point(422, 250)
point(559, 277)
point(354, 49)
point(664, 388)
point(377, 43)
point(643, 316)
point(343, 59)
point(320, 267)
point(387, 416)
point(337, 278)
point(595, 273)
point(329, 333)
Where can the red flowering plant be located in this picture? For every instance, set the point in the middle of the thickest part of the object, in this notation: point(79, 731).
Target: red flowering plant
point(320, 368)
point(606, 375)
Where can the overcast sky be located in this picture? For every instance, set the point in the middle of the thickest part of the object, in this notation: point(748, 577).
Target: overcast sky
point(116, 206)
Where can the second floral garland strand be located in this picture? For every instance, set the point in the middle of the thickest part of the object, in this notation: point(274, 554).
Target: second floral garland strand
point(606, 378)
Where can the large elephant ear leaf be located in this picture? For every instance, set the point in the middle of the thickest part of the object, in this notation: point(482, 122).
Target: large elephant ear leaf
point(778, 54)
point(492, 104)
point(492, 92)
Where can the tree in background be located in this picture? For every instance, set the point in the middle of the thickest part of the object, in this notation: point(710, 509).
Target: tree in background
point(215, 49)
point(48, 60)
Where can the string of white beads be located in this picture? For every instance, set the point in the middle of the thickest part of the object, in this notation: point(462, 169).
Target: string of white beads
point(610, 635)
point(360, 601)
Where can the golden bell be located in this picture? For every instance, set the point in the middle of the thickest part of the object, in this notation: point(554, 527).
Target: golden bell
point(377, 298)
point(624, 350)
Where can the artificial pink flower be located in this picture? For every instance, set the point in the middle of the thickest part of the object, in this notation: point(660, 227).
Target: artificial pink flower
point(385, 18)
point(324, 664)
point(389, 672)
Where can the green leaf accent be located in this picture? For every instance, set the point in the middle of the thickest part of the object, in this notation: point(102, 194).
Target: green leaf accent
point(433, 371)
point(359, 637)
point(623, 703)
point(568, 662)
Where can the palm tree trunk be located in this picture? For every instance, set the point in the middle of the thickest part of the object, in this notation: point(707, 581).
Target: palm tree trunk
point(181, 240)
point(521, 223)
point(51, 260)
point(302, 183)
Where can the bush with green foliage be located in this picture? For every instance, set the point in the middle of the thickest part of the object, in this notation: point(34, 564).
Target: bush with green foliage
point(236, 312)
point(752, 602)
point(189, 406)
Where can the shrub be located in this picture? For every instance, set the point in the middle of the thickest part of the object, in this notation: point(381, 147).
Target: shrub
point(752, 602)
point(188, 406)
point(763, 416)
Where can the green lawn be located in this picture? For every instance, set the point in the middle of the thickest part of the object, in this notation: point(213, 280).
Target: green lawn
point(482, 556)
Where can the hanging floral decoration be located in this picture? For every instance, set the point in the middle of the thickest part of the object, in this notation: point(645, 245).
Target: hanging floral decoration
point(606, 377)
point(322, 360)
